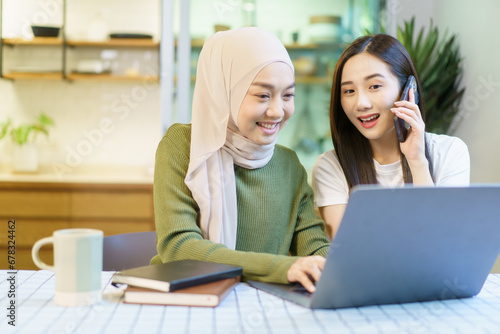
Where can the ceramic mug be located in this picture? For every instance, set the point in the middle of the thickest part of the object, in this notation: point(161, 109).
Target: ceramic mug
point(77, 265)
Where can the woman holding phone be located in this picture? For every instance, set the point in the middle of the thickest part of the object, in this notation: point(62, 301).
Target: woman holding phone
point(367, 84)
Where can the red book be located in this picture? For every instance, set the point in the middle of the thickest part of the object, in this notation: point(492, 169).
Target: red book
point(209, 294)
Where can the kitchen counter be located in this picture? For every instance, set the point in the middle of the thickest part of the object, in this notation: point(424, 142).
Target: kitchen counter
point(114, 199)
point(86, 174)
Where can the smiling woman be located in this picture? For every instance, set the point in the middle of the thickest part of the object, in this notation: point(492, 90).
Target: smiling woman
point(224, 190)
point(366, 99)
point(268, 104)
point(368, 81)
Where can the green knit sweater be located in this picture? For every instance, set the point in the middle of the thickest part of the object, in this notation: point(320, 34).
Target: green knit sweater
point(276, 218)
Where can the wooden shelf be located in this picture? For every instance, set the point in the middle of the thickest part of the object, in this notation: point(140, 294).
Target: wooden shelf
point(76, 77)
point(139, 43)
point(34, 41)
point(311, 46)
point(302, 79)
point(132, 43)
point(198, 43)
point(195, 43)
point(117, 42)
point(33, 75)
point(109, 77)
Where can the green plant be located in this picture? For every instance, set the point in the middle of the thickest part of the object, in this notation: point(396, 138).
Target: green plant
point(27, 132)
point(439, 68)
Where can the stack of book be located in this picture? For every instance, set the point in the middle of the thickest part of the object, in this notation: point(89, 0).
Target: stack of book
point(185, 283)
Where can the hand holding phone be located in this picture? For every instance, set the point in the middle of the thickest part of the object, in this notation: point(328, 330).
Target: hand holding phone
point(401, 126)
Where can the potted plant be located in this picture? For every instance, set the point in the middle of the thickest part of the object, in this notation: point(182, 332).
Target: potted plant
point(439, 67)
point(24, 136)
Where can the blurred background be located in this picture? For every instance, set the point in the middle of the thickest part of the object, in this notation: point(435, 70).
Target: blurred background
point(314, 31)
point(117, 73)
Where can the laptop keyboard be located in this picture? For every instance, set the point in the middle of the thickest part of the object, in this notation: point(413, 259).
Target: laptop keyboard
point(299, 288)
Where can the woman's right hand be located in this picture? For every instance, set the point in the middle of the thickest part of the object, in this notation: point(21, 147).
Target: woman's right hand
point(306, 270)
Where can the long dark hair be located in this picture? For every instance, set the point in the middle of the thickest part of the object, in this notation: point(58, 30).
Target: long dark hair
point(352, 148)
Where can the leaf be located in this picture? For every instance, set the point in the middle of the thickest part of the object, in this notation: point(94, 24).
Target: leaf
point(20, 135)
point(4, 128)
point(45, 120)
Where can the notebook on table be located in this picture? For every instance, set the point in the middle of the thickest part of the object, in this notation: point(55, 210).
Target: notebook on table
point(176, 275)
point(208, 294)
point(406, 245)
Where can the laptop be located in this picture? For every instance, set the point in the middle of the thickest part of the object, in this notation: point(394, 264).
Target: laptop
point(404, 245)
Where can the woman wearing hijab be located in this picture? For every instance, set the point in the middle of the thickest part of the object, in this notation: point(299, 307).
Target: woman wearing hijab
point(224, 191)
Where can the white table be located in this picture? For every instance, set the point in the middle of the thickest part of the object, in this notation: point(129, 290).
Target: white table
point(245, 310)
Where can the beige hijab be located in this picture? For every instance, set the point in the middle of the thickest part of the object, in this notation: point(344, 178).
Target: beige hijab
point(228, 63)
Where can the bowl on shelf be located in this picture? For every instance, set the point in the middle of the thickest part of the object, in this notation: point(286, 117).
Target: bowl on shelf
point(304, 66)
point(43, 31)
point(324, 29)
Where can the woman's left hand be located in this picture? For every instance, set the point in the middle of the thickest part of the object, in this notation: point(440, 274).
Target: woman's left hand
point(414, 146)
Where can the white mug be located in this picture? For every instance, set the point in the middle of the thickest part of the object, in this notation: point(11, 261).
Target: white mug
point(77, 265)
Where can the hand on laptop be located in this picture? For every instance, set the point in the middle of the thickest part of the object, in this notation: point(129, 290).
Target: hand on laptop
point(306, 270)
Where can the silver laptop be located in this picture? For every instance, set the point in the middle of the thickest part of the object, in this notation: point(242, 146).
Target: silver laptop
point(406, 245)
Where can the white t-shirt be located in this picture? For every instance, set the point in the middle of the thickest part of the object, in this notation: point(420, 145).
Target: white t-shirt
point(450, 161)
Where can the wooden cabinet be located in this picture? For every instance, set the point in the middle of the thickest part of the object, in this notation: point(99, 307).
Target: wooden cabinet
point(41, 208)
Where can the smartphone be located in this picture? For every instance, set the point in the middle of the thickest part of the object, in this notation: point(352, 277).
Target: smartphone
point(401, 126)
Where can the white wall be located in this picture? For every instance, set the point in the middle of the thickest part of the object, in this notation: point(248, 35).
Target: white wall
point(476, 25)
point(404, 10)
